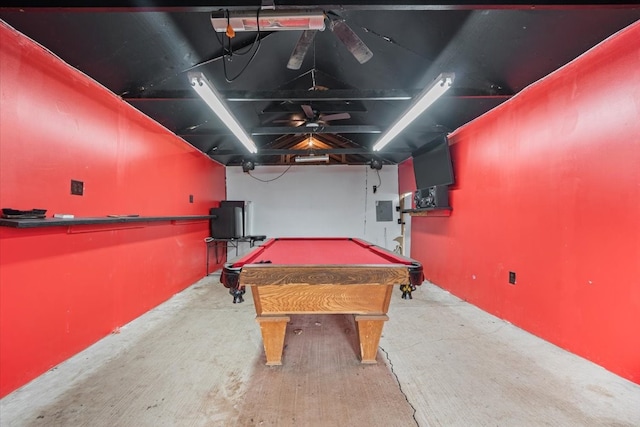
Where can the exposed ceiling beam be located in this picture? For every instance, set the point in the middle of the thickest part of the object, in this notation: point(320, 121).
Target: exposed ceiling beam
point(279, 130)
point(325, 107)
point(303, 130)
point(284, 152)
point(335, 95)
point(323, 95)
point(208, 6)
point(291, 130)
point(283, 95)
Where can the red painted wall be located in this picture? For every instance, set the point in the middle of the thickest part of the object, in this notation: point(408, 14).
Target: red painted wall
point(62, 289)
point(548, 186)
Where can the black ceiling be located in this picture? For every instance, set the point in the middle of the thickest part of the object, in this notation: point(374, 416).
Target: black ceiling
point(144, 52)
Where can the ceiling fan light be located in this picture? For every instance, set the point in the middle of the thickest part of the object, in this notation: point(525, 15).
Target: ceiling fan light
point(427, 97)
point(269, 20)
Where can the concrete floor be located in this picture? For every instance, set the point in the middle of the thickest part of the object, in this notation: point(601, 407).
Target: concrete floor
point(197, 360)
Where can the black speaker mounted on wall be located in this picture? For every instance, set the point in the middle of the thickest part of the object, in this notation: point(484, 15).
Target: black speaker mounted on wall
point(248, 165)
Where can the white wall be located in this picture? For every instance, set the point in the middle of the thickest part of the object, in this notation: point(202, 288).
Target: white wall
point(318, 200)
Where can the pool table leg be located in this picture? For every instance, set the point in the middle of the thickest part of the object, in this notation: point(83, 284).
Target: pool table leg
point(273, 329)
point(369, 332)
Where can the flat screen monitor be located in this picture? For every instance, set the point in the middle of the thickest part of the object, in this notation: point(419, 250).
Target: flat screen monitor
point(432, 164)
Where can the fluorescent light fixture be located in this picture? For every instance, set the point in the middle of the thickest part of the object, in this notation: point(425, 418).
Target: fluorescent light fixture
point(209, 94)
point(312, 158)
point(427, 97)
point(270, 20)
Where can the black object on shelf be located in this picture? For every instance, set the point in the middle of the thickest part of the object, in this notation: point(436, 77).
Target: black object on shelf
point(19, 214)
point(432, 197)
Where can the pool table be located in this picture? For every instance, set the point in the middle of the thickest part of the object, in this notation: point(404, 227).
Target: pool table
point(324, 276)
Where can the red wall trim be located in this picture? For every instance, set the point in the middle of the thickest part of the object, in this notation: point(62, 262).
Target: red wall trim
point(61, 291)
point(548, 187)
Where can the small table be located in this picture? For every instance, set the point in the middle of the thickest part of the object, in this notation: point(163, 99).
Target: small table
point(231, 241)
point(323, 276)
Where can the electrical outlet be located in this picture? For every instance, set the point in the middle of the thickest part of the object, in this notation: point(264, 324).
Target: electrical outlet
point(512, 277)
point(77, 188)
point(190, 198)
point(375, 189)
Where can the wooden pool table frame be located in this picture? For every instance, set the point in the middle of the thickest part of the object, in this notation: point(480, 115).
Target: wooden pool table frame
point(362, 290)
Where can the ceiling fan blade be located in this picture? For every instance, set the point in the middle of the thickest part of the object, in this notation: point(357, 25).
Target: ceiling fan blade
point(356, 46)
point(308, 111)
point(337, 116)
point(300, 50)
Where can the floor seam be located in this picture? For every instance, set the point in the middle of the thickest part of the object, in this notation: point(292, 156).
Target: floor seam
point(390, 363)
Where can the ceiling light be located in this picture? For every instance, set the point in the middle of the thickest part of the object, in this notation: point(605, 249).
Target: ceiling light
point(312, 158)
point(270, 20)
point(427, 97)
point(209, 94)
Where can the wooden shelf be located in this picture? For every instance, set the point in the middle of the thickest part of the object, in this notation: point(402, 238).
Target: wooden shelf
point(63, 222)
point(428, 212)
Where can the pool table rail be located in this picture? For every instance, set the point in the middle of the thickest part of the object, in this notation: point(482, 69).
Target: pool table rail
point(270, 274)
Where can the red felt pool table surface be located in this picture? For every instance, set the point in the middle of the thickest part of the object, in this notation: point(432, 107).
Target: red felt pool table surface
point(320, 251)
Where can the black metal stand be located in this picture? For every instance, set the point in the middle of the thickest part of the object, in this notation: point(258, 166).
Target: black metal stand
point(233, 242)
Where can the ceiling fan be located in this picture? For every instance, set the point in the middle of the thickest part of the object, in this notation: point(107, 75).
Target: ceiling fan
point(313, 118)
point(339, 27)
